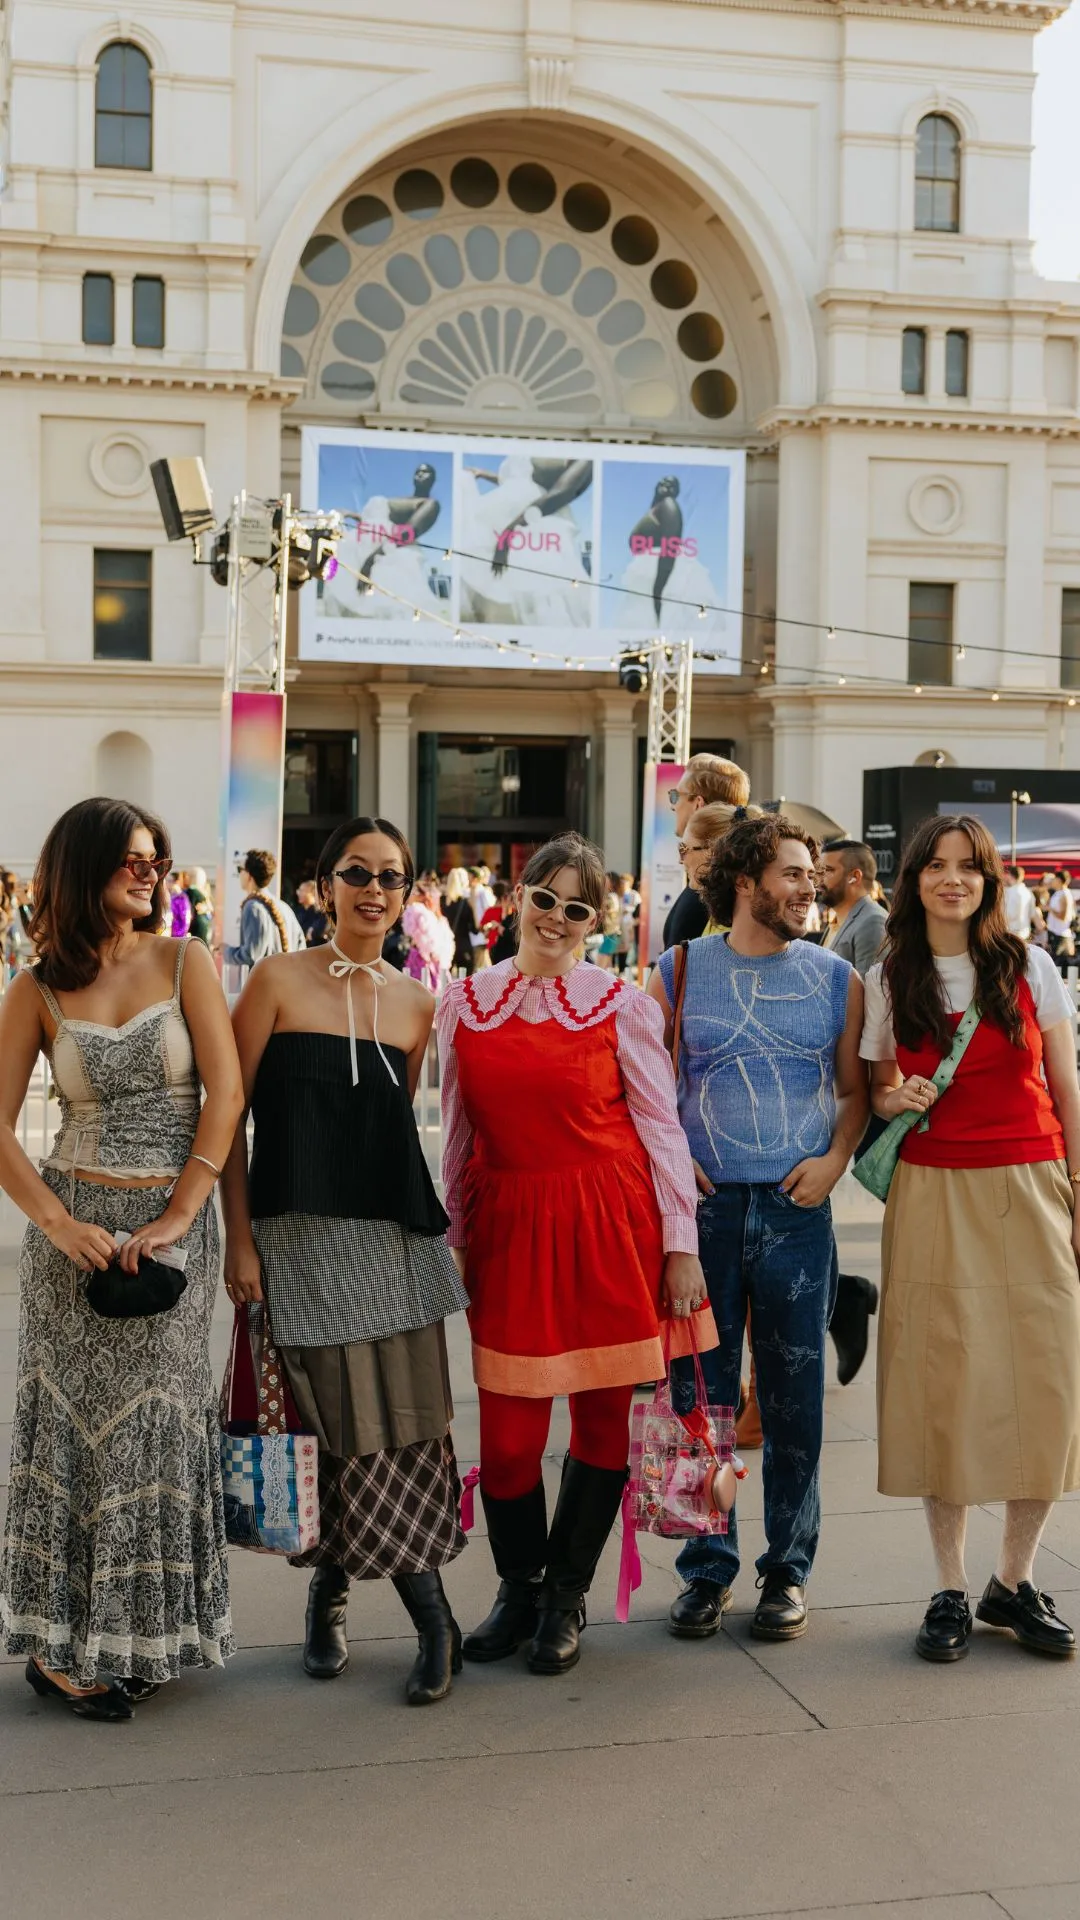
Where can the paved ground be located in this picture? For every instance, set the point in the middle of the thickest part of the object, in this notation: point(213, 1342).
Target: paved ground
point(839, 1775)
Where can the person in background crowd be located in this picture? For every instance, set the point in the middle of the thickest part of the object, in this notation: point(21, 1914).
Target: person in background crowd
point(629, 908)
point(1020, 904)
point(480, 899)
point(572, 1215)
point(430, 935)
point(267, 925)
point(197, 888)
point(857, 928)
point(699, 841)
point(13, 919)
point(1060, 915)
point(339, 1225)
point(979, 1343)
point(461, 919)
point(706, 778)
point(492, 923)
point(114, 1574)
point(773, 1098)
point(609, 925)
point(313, 921)
point(179, 907)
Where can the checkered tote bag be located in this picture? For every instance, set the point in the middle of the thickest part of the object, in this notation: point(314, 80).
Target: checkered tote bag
point(270, 1476)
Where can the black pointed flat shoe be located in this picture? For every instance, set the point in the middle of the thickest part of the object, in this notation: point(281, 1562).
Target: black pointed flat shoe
point(1029, 1614)
point(137, 1690)
point(110, 1705)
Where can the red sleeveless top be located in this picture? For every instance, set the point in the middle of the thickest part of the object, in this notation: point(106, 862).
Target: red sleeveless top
point(998, 1111)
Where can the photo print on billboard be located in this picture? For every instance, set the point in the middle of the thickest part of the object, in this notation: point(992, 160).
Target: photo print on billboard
point(522, 552)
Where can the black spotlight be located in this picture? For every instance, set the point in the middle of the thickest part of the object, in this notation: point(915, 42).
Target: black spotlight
point(634, 672)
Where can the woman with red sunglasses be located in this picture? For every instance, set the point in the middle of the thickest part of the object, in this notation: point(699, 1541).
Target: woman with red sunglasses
point(337, 1225)
point(573, 1217)
point(114, 1574)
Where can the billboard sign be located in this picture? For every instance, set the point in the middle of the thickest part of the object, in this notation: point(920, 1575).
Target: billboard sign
point(494, 552)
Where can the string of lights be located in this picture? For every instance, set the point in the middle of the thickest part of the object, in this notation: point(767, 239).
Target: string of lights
point(765, 669)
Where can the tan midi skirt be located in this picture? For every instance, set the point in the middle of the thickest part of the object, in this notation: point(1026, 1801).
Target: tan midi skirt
point(979, 1335)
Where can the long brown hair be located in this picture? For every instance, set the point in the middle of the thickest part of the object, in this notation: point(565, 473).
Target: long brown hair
point(913, 983)
point(82, 851)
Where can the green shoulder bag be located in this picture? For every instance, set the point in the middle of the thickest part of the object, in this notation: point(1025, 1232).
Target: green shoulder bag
point(878, 1164)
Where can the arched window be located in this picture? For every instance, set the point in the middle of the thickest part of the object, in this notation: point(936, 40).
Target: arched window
point(123, 108)
point(937, 175)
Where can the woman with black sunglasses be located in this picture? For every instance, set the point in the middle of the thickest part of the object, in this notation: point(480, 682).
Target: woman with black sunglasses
point(574, 1221)
point(114, 1573)
point(337, 1226)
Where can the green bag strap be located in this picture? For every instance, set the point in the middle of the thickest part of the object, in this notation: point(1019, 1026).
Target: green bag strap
point(945, 1074)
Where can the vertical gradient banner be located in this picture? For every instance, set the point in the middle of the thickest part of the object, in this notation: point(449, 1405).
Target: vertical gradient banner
point(253, 756)
point(662, 877)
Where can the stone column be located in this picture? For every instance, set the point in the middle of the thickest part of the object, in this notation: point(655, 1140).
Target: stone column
point(618, 772)
point(393, 734)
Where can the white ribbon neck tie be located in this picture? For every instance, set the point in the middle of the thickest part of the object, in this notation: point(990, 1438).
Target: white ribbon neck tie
point(343, 969)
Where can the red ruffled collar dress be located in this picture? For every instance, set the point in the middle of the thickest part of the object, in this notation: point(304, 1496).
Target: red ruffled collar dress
point(567, 1178)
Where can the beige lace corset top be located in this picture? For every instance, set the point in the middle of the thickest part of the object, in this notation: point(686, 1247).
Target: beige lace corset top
point(129, 1096)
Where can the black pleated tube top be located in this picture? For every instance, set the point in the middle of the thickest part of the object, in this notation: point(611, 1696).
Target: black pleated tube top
point(324, 1146)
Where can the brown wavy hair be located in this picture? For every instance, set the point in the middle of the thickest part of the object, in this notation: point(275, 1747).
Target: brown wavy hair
point(570, 850)
point(748, 847)
point(912, 981)
point(82, 851)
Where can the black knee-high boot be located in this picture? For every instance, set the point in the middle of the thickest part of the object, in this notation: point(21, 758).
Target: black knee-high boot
point(326, 1649)
point(585, 1513)
point(517, 1535)
point(439, 1635)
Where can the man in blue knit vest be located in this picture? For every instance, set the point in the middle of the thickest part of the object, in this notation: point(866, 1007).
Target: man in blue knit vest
point(773, 1098)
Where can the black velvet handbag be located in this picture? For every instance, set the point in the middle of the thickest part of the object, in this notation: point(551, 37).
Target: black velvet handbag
point(154, 1288)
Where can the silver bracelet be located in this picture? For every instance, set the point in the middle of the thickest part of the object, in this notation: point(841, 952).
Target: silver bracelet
point(216, 1171)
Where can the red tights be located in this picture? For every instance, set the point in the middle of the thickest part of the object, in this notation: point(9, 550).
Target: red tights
point(514, 1431)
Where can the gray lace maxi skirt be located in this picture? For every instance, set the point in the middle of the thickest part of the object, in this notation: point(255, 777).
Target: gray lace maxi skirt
point(114, 1556)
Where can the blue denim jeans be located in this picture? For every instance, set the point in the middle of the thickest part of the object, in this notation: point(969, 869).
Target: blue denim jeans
point(760, 1250)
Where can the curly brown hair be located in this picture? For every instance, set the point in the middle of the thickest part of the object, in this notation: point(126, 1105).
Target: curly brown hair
point(748, 847)
point(912, 981)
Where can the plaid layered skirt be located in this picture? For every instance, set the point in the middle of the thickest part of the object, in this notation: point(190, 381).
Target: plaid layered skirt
point(396, 1511)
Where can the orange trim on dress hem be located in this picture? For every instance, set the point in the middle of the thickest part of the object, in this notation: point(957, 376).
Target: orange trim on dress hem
point(538, 1376)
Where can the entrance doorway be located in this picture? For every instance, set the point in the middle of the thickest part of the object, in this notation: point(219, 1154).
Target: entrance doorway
point(487, 800)
point(320, 792)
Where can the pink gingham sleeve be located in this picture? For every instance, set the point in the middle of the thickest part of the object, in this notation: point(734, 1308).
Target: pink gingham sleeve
point(456, 1127)
point(649, 1079)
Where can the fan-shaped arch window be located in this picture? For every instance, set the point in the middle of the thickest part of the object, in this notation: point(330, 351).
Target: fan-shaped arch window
point(937, 175)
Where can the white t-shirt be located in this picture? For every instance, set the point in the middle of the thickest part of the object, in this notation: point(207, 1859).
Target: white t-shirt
point(1019, 909)
point(1052, 1002)
point(1060, 912)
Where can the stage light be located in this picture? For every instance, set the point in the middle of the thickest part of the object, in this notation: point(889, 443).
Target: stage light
point(634, 672)
point(184, 497)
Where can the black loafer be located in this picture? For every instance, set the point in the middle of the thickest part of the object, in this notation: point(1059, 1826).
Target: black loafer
point(781, 1611)
point(699, 1609)
point(946, 1630)
point(1029, 1614)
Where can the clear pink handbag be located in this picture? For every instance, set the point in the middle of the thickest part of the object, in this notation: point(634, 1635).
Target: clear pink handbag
point(683, 1474)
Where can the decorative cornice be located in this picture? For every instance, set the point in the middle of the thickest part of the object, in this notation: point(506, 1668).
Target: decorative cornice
point(1025, 15)
point(80, 373)
point(780, 420)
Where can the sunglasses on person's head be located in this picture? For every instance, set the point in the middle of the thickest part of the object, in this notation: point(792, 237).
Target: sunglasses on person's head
point(391, 879)
point(142, 870)
point(545, 901)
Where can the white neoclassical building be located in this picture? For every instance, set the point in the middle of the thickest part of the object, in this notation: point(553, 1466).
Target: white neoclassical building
point(794, 227)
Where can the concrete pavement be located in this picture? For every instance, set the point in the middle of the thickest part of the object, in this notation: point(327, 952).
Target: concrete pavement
point(839, 1775)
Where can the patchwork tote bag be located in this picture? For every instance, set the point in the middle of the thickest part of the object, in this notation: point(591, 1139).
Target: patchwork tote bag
point(269, 1470)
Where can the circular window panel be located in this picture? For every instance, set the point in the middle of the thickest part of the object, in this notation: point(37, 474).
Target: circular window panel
point(474, 182)
point(531, 188)
point(635, 240)
point(673, 284)
point(586, 207)
point(701, 337)
point(367, 221)
point(418, 193)
point(714, 394)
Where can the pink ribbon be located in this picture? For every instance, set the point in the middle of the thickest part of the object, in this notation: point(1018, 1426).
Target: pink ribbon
point(468, 1501)
point(629, 1562)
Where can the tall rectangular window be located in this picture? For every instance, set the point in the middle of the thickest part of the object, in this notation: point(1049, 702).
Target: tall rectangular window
point(1070, 637)
point(913, 360)
point(957, 349)
point(930, 634)
point(148, 311)
point(98, 310)
point(121, 604)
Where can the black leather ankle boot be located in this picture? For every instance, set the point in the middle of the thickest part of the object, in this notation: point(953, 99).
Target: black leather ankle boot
point(588, 1503)
point(856, 1300)
point(517, 1535)
point(439, 1657)
point(326, 1650)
